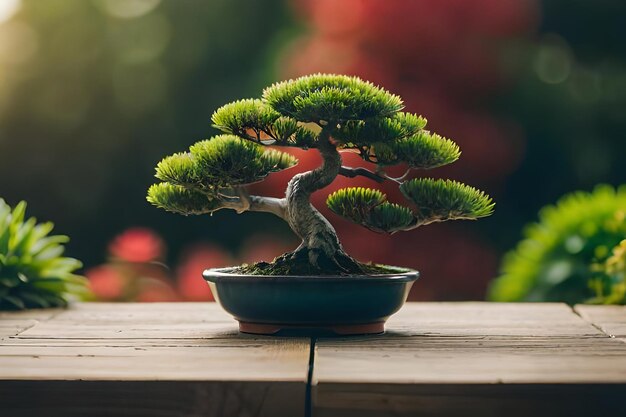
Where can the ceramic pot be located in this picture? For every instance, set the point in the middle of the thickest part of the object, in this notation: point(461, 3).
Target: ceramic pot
point(338, 304)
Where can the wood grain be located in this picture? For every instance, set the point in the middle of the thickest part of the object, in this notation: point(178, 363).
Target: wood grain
point(170, 359)
point(492, 359)
point(611, 319)
point(12, 323)
point(436, 359)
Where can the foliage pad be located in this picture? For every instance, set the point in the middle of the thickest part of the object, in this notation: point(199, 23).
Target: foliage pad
point(181, 200)
point(440, 200)
point(225, 161)
point(423, 150)
point(369, 208)
point(337, 98)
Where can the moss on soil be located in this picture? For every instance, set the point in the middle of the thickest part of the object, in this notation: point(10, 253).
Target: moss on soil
point(288, 264)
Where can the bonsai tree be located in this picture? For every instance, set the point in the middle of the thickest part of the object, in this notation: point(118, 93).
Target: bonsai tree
point(328, 113)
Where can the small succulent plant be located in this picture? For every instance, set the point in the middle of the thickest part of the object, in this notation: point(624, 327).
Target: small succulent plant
point(573, 254)
point(33, 272)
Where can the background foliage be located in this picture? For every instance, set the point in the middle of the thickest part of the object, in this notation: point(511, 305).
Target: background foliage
point(572, 254)
point(94, 92)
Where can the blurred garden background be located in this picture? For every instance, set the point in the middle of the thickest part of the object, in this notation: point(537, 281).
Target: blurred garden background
point(94, 92)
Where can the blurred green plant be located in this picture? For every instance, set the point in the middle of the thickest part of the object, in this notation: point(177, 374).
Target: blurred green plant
point(573, 254)
point(610, 286)
point(88, 83)
point(33, 274)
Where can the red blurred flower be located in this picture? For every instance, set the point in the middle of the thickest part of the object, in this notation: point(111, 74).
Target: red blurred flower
point(191, 285)
point(137, 244)
point(106, 282)
point(156, 290)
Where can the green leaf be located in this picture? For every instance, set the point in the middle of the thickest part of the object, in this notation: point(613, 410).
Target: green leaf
point(47, 242)
point(14, 302)
point(40, 231)
point(441, 200)
point(17, 217)
point(60, 266)
point(327, 97)
point(20, 239)
point(50, 253)
point(5, 220)
point(6, 232)
point(10, 281)
point(34, 300)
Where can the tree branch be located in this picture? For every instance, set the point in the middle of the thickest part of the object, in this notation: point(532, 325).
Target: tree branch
point(360, 172)
point(245, 202)
point(276, 206)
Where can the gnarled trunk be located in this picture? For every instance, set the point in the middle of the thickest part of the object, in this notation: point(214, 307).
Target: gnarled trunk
point(320, 243)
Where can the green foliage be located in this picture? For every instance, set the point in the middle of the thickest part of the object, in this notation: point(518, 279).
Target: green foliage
point(369, 208)
point(226, 160)
point(33, 274)
point(559, 256)
point(181, 200)
point(611, 287)
point(254, 120)
point(288, 132)
point(180, 169)
point(423, 150)
point(196, 182)
point(337, 98)
point(242, 116)
point(220, 162)
point(441, 200)
point(274, 161)
point(386, 129)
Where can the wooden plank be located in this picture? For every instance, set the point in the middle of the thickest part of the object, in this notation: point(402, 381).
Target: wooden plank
point(169, 359)
point(12, 323)
point(492, 359)
point(462, 400)
point(149, 399)
point(611, 319)
point(141, 321)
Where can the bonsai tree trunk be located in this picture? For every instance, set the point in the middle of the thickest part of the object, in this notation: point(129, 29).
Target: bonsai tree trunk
point(320, 245)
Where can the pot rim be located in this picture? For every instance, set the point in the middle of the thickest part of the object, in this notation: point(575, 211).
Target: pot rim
point(222, 274)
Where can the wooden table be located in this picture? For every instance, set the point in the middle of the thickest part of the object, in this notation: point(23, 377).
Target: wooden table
point(436, 359)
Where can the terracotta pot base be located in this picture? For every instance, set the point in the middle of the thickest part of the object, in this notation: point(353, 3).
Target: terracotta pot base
point(340, 329)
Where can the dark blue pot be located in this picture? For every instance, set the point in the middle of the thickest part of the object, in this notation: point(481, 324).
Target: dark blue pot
point(339, 304)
